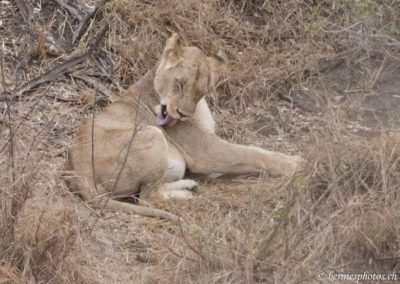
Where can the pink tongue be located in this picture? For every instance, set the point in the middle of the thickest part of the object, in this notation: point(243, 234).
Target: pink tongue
point(160, 120)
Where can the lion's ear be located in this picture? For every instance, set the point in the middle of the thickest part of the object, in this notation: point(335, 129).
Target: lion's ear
point(217, 65)
point(173, 48)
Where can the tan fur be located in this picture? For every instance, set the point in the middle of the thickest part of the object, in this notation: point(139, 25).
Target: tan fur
point(154, 161)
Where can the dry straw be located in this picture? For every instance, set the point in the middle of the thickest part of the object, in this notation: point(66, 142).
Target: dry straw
point(339, 214)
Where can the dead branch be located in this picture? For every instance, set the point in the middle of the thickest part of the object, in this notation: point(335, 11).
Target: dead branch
point(93, 168)
point(78, 9)
point(189, 245)
point(95, 43)
point(15, 202)
point(97, 85)
point(294, 101)
point(62, 69)
point(52, 74)
point(26, 10)
point(82, 12)
point(85, 22)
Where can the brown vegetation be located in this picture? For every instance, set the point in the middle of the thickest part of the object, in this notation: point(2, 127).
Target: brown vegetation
point(319, 78)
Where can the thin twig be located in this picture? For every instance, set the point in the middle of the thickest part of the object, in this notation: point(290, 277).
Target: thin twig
point(26, 10)
point(179, 256)
point(391, 41)
point(378, 73)
point(78, 9)
point(192, 248)
point(14, 202)
point(134, 132)
point(85, 22)
point(311, 211)
point(54, 73)
point(267, 242)
point(93, 169)
point(97, 85)
point(344, 29)
point(62, 69)
point(49, 76)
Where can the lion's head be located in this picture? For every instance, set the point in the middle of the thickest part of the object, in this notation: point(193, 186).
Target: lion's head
point(184, 75)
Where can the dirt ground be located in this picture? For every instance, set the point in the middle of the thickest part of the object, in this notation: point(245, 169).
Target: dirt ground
point(318, 80)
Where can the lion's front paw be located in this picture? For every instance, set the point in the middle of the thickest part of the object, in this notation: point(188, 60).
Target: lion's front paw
point(181, 189)
point(288, 165)
point(293, 165)
point(189, 184)
point(178, 194)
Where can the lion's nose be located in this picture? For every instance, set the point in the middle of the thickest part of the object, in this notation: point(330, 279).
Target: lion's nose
point(164, 111)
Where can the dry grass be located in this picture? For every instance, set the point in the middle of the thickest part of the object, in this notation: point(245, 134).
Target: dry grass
point(331, 58)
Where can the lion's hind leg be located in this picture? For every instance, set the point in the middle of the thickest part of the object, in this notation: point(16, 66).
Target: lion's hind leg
point(171, 185)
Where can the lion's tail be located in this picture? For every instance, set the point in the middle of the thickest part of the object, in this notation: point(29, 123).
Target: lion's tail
point(88, 194)
point(116, 205)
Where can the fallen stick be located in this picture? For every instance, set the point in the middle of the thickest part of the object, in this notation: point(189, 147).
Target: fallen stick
point(293, 101)
point(96, 85)
point(85, 22)
point(62, 69)
point(76, 36)
point(49, 76)
point(77, 8)
point(81, 12)
point(26, 10)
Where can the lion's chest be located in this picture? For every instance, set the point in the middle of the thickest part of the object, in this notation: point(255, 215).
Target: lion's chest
point(203, 117)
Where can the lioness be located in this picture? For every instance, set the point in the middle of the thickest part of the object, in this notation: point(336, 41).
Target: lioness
point(144, 141)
